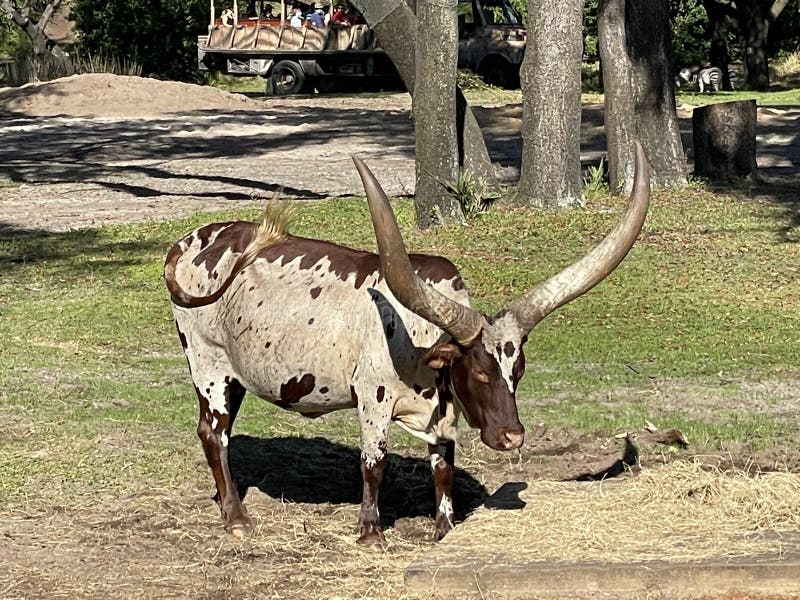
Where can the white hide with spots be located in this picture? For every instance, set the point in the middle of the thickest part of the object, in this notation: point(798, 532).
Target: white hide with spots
point(304, 332)
point(503, 340)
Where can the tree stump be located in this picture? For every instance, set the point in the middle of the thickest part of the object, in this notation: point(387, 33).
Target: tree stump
point(725, 140)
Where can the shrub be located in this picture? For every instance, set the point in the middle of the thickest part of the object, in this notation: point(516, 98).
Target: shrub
point(158, 35)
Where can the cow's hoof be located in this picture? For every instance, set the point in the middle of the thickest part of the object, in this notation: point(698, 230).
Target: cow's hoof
point(240, 528)
point(240, 531)
point(443, 527)
point(440, 533)
point(372, 536)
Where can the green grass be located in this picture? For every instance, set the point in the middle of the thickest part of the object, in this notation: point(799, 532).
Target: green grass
point(95, 388)
point(726, 428)
point(784, 98)
point(238, 85)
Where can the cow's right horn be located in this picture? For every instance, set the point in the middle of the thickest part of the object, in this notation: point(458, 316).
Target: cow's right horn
point(583, 275)
point(461, 322)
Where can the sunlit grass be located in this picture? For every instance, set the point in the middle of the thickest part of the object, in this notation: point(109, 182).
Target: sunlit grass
point(237, 84)
point(778, 98)
point(786, 66)
point(91, 368)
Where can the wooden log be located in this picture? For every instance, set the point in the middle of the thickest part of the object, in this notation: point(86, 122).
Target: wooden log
point(725, 140)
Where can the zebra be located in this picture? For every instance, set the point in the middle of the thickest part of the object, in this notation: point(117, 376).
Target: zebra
point(705, 79)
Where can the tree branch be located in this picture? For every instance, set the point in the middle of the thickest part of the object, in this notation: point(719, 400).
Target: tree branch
point(777, 8)
point(12, 13)
point(48, 12)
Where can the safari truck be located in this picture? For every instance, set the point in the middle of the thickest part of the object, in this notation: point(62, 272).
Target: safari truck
point(294, 55)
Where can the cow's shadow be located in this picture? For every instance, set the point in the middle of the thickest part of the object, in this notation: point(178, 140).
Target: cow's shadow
point(317, 471)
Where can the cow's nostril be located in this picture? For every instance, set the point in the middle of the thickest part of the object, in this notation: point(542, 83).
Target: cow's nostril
point(515, 438)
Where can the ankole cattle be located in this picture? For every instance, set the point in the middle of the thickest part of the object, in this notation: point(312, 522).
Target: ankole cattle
point(314, 327)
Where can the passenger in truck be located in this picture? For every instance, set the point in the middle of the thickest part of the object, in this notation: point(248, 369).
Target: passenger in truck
point(317, 18)
point(297, 18)
point(266, 12)
point(340, 17)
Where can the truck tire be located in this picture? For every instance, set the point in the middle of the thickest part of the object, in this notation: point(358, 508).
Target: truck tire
point(287, 78)
point(497, 71)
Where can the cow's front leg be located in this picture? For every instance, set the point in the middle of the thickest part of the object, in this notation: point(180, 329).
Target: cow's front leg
point(374, 412)
point(369, 519)
point(442, 467)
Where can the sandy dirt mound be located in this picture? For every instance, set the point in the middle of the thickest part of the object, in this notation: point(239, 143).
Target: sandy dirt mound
point(105, 95)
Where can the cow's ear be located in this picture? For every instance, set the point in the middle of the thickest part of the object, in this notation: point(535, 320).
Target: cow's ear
point(442, 355)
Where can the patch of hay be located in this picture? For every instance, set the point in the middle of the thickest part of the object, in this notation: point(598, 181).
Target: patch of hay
point(680, 512)
point(167, 544)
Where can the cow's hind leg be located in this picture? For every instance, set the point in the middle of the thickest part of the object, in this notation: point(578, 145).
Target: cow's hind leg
point(218, 409)
point(442, 461)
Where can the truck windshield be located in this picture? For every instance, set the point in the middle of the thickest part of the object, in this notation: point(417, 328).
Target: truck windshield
point(499, 12)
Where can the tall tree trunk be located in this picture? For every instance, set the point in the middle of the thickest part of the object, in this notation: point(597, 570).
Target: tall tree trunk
point(754, 21)
point(650, 50)
point(39, 51)
point(619, 105)
point(717, 31)
point(395, 27)
point(650, 86)
point(551, 105)
point(436, 143)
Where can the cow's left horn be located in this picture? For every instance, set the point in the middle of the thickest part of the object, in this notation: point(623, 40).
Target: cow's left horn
point(461, 322)
point(580, 277)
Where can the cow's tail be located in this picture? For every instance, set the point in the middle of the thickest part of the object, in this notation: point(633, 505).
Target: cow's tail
point(272, 229)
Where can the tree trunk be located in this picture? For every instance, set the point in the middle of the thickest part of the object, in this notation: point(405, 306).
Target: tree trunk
point(551, 105)
point(754, 21)
point(39, 49)
point(436, 143)
point(395, 27)
point(619, 106)
point(717, 31)
point(725, 140)
point(648, 48)
point(39, 41)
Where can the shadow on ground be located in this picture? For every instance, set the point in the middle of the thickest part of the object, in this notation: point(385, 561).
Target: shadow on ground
point(317, 471)
point(74, 253)
point(63, 150)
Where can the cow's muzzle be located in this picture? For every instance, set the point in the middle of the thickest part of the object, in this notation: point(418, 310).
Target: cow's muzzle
point(505, 438)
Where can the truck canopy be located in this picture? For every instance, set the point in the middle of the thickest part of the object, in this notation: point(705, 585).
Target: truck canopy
point(269, 29)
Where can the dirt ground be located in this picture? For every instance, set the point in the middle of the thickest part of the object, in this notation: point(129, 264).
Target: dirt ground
point(95, 150)
point(303, 497)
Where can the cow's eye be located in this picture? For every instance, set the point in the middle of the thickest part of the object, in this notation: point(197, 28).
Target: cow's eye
point(480, 376)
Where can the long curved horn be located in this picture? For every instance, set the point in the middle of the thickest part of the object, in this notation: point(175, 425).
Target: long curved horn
point(461, 322)
point(580, 277)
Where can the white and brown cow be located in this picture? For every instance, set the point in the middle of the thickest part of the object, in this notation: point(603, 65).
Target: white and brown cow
point(313, 327)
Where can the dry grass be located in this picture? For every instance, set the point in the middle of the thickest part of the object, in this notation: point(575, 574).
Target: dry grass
point(786, 66)
point(169, 543)
point(681, 512)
